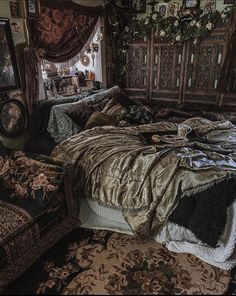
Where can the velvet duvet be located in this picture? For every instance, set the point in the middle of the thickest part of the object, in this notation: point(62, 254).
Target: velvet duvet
point(191, 183)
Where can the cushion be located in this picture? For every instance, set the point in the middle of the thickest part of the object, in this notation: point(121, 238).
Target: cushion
point(139, 114)
point(117, 112)
point(100, 119)
point(29, 178)
point(81, 112)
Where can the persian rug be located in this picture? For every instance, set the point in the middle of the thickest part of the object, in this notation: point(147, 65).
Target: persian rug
point(103, 262)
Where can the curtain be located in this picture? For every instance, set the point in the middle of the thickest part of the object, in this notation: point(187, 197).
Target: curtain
point(31, 77)
point(61, 32)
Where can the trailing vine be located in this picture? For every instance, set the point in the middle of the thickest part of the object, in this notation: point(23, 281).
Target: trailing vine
point(187, 25)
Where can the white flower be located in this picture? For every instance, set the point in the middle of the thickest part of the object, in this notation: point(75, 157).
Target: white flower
point(223, 16)
point(192, 23)
point(198, 24)
point(209, 26)
point(178, 38)
point(195, 41)
point(154, 16)
point(163, 33)
point(145, 38)
point(176, 23)
point(127, 29)
point(146, 21)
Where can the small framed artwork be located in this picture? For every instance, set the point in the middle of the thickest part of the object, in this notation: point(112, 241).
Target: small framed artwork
point(17, 26)
point(15, 8)
point(173, 8)
point(210, 6)
point(191, 4)
point(32, 9)
point(163, 9)
point(9, 74)
point(138, 6)
point(13, 118)
point(85, 60)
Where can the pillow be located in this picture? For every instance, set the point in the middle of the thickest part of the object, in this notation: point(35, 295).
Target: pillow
point(81, 112)
point(117, 112)
point(100, 119)
point(30, 179)
point(112, 102)
point(139, 115)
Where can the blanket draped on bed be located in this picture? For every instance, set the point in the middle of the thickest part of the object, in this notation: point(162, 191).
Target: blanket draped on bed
point(156, 183)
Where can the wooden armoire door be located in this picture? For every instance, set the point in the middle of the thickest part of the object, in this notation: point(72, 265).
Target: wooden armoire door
point(138, 70)
point(202, 69)
point(166, 71)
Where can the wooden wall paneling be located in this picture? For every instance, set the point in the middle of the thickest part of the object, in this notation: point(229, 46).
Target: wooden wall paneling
point(203, 67)
point(167, 71)
point(138, 74)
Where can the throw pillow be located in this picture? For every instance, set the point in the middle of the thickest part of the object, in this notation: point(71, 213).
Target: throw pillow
point(83, 110)
point(30, 179)
point(100, 119)
point(139, 115)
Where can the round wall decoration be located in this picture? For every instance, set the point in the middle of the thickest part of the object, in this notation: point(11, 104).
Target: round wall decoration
point(13, 118)
point(85, 60)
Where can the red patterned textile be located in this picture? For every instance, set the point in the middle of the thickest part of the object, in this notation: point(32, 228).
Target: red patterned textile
point(63, 29)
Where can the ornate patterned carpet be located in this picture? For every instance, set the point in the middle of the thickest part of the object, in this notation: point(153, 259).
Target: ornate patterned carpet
point(101, 262)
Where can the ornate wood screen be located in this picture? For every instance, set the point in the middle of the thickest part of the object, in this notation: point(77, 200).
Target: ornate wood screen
point(186, 74)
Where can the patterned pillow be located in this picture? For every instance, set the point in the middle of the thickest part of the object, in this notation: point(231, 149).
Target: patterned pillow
point(30, 179)
point(83, 110)
point(139, 115)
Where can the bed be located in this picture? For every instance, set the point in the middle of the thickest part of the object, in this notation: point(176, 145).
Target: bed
point(181, 194)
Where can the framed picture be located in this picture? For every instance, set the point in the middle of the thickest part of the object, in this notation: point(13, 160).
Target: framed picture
point(32, 9)
point(163, 9)
point(15, 8)
point(138, 6)
point(173, 8)
point(85, 60)
point(9, 74)
point(13, 118)
point(229, 2)
point(210, 6)
point(17, 26)
point(191, 4)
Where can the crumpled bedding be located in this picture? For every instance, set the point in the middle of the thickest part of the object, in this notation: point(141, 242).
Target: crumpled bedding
point(115, 167)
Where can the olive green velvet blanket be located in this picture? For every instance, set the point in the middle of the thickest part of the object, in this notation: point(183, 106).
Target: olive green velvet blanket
point(119, 169)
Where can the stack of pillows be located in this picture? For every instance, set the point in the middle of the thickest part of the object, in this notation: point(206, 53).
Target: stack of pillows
point(114, 111)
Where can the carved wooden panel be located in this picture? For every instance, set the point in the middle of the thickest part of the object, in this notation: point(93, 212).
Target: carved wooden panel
point(137, 60)
point(177, 73)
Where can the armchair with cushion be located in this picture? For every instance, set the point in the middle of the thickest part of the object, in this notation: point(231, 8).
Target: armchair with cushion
point(37, 208)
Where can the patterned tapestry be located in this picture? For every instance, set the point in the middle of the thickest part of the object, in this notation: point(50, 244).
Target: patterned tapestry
point(63, 29)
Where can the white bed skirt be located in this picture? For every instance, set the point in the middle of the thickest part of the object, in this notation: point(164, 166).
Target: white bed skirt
point(176, 238)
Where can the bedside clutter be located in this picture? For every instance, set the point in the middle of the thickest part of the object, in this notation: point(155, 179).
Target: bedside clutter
point(37, 208)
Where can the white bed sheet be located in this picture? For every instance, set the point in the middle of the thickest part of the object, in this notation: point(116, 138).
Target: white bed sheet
point(176, 238)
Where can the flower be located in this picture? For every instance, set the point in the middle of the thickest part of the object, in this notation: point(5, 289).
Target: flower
point(39, 182)
point(198, 24)
point(126, 29)
point(146, 21)
point(154, 16)
point(209, 26)
point(192, 23)
point(163, 33)
point(176, 23)
point(178, 38)
point(195, 41)
point(20, 190)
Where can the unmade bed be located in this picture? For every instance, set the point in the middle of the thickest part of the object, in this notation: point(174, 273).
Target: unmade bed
point(180, 193)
